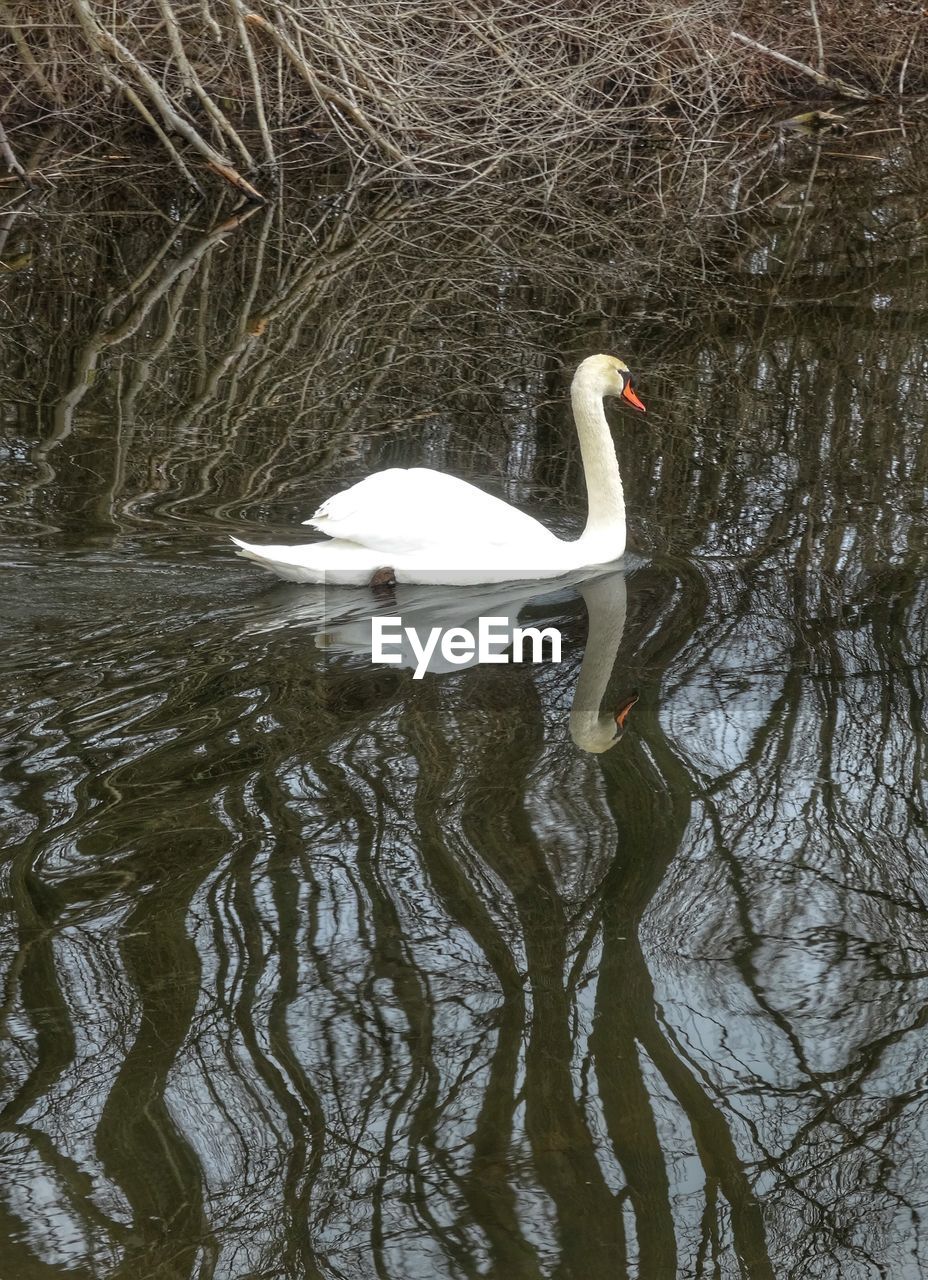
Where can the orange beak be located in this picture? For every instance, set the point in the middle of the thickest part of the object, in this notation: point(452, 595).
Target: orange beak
point(622, 710)
point(629, 395)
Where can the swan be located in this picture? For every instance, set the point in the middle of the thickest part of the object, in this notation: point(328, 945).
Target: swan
point(423, 526)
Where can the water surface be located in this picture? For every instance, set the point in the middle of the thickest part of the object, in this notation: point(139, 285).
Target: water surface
point(313, 969)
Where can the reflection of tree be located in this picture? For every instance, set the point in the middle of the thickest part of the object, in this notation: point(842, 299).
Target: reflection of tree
point(817, 889)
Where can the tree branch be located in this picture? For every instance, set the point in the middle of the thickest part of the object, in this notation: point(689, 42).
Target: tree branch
point(839, 87)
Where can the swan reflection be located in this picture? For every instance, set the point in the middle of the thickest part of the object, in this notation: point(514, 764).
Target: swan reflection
point(342, 622)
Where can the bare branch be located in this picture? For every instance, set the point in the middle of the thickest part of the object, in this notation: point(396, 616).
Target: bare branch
point(6, 151)
point(835, 85)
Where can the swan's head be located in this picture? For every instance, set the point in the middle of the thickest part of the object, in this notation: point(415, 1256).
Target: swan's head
point(608, 376)
point(605, 731)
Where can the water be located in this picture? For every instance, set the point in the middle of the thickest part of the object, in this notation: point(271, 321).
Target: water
point(314, 969)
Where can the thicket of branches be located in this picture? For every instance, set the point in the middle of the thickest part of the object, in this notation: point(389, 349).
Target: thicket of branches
point(447, 90)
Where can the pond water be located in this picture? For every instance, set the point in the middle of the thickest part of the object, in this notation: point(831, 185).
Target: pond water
point(312, 969)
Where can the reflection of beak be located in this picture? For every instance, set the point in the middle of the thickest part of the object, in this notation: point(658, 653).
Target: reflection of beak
point(629, 395)
point(622, 710)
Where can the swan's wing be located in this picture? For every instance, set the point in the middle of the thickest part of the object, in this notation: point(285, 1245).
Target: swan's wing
point(403, 512)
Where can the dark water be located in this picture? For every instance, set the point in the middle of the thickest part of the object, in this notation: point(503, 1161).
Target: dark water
point(311, 969)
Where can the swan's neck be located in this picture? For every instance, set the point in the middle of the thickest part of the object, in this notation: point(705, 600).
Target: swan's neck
point(600, 466)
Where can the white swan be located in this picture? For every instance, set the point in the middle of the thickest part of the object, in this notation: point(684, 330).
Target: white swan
point(423, 526)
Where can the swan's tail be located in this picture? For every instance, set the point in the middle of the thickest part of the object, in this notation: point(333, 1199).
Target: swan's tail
point(344, 563)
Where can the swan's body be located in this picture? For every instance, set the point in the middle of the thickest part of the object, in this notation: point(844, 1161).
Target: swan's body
point(429, 527)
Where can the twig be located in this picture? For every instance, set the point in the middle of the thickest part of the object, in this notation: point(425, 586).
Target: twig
point(818, 36)
point(209, 20)
point(839, 87)
point(11, 162)
point(245, 43)
point(905, 62)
